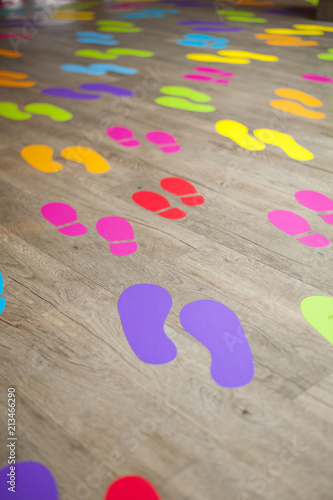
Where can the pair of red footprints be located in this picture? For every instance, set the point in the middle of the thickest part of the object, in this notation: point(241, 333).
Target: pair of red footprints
point(157, 203)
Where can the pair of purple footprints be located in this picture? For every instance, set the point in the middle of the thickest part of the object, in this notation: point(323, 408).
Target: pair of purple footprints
point(143, 310)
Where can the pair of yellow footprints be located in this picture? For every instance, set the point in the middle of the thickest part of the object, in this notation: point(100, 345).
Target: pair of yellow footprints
point(39, 156)
point(238, 133)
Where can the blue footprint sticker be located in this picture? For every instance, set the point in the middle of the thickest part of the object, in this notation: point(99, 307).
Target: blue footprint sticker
point(96, 38)
point(145, 13)
point(90, 87)
point(201, 40)
point(98, 69)
point(2, 300)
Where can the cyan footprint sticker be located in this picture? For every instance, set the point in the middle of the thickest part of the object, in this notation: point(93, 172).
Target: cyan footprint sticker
point(218, 328)
point(2, 300)
point(98, 69)
point(200, 40)
point(184, 98)
point(146, 13)
point(96, 38)
point(143, 310)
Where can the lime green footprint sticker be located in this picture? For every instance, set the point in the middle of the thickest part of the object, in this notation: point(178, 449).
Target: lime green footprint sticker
point(318, 311)
point(10, 110)
point(326, 56)
point(77, 5)
point(112, 53)
point(117, 26)
point(241, 16)
point(177, 97)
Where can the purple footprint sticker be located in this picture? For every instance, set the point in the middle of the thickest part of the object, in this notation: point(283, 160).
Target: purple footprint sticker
point(218, 328)
point(69, 94)
point(106, 87)
point(143, 310)
point(31, 480)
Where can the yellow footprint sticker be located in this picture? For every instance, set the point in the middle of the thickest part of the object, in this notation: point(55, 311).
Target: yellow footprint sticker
point(285, 31)
point(247, 55)
point(313, 27)
point(285, 142)
point(93, 161)
point(318, 311)
point(74, 15)
point(39, 156)
point(296, 108)
point(238, 133)
point(218, 59)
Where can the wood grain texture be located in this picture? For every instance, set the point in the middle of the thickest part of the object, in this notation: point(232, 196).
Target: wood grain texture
point(86, 406)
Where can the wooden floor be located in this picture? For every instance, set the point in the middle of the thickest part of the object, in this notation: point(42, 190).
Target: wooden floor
point(87, 407)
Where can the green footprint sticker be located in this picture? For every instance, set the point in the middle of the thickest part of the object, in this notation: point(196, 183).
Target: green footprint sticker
point(77, 5)
point(178, 98)
point(117, 26)
point(54, 112)
point(10, 110)
point(326, 56)
point(241, 16)
point(318, 311)
point(112, 53)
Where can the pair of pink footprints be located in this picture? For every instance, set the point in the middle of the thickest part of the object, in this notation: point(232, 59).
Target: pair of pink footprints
point(125, 137)
point(116, 230)
point(293, 224)
point(155, 202)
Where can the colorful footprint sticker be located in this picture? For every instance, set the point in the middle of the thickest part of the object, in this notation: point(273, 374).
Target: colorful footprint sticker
point(12, 54)
point(54, 112)
point(13, 79)
point(327, 56)
point(11, 110)
point(318, 311)
point(98, 69)
point(74, 15)
point(39, 156)
point(218, 328)
point(113, 53)
point(208, 76)
point(209, 26)
point(285, 40)
point(148, 13)
point(96, 38)
point(165, 141)
point(143, 310)
point(200, 40)
point(118, 232)
point(94, 87)
point(296, 108)
point(241, 16)
point(295, 225)
point(130, 488)
point(69, 94)
point(232, 57)
point(62, 214)
point(155, 202)
point(78, 5)
point(318, 78)
point(2, 301)
point(285, 142)
point(32, 481)
point(184, 189)
point(117, 26)
point(93, 161)
point(184, 98)
point(238, 133)
point(317, 202)
point(123, 135)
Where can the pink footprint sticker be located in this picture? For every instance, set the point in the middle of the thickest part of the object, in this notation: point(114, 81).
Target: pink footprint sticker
point(318, 78)
point(293, 224)
point(317, 202)
point(123, 135)
point(210, 71)
point(166, 142)
point(61, 214)
point(117, 231)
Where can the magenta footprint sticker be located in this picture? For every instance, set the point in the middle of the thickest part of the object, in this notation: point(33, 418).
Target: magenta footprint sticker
point(69, 94)
point(317, 202)
point(293, 224)
point(218, 328)
point(166, 142)
point(106, 87)
point(210, 76)
point(61, 214)
point(143, 310)
point(32, 481)
point(123, 135)
point(119, 233)
point(318, 78)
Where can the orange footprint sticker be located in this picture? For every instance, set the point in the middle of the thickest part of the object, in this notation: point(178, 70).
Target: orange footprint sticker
point(12, 79)
point(10, 53)
point(39, 156)
point(291, 41)
point(295, 108)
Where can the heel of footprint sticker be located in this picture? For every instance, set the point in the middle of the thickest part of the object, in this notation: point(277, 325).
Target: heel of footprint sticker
point(318, 311)
point(39, 156)
point(124, 136)
point(93, 161)
point(117, 231)
point(218, 328)
point(178, 97)
point(296, 108)
point(166, 142)
point(61, 214)
point(317, 202)
point(130, 487)
point(143, 310)
point(180, 187)
point(294, 225)
point(155, 202)
point(2, 299)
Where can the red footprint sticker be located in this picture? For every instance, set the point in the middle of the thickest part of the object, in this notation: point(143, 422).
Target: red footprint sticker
point(155, 203)
point(131, 488)
point(180, 187)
